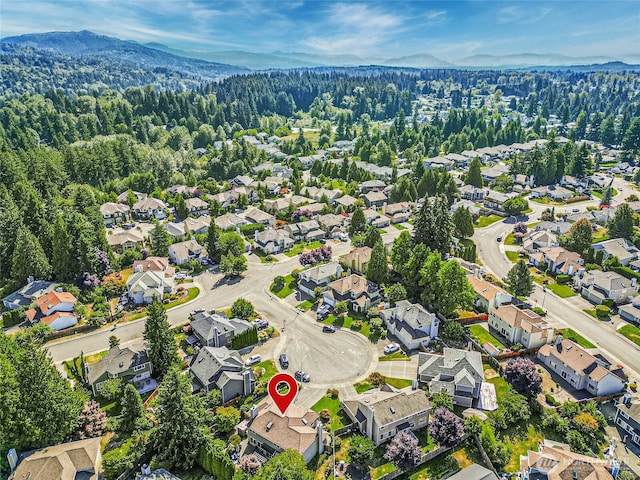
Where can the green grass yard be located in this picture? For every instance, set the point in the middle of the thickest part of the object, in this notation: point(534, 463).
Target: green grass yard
point(399, 226)
point(394, 356)
point(269, 370)
point(484, 336)
point(306, 305)
point(486, 221)
point(631, 332)
point(338, 417)
point(571, 334)
point(563, 291)
point(365, 385)
point(302, 247)
point(289, 286)
point(347, 322)
point(512, 256)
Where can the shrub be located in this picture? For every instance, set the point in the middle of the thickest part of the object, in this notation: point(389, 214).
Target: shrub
point(608, 302)
point(539, 311)
point(332, 392)
point(562, 279)
point(357, 325)
point(602, 311)
point(551, 400)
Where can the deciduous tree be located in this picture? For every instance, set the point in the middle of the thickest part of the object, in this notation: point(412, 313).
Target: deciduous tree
point(445, 427)
point(361, 451)
point(523, 376)
point(403, 450)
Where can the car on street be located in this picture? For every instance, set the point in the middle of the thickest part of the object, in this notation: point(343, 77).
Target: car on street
point(301, 376)
point(499, 239)
point(575, 210)
point(252, 360)
point(329, 329)
point(391, 348)
point(284, 360)
point(260, 324)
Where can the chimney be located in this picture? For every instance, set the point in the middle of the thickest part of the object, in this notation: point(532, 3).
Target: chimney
point(12, 456)
point(370, 412)
point(626, 399)
point(320, 442)
point(246, 381)
point(253, 412)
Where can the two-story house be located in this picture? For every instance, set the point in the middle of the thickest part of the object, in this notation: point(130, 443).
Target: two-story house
point(143, 285)
point(535, 240)
point(214, 330)
point(557, 462)
point(374, 199)
point(183, 252)
point(487, 292)
point(376, 219)
point(457, 372)
point(371, 185)
point(383, 412)
point(255, 215)
point(229, 221)
point(579, 368)
point(357, 260)
point(525, 327)
point(126, 363)
point(55, 309)
point(196, 207)
point(197, 226)
point(397, 212)
point(305, 231)
point(474, 194)
point(222, 369)
point(318, 277)
point(558, 260)
point(125, 240)
point(597, 285)
point(411, 324)
point(272, 241)
point(347, 202)
point(358, 292)
point(628, 417)
point(495, 200)
point(621, 248)
point(150, 208)
point(115, 213)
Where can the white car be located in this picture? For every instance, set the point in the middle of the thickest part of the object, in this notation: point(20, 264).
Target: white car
point(253, 359)
point(391, 348)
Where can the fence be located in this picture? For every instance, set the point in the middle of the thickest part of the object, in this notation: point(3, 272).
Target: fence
point(483, 317)
point(70, 331)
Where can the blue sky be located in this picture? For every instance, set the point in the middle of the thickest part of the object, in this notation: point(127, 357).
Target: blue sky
point(445, 29)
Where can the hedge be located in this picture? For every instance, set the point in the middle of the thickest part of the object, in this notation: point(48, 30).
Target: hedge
point(13, 317)
point(244, 339)
point(215, 460)
point(562, 279)
point(247, 230)
point(626, 272)
point(602, 311)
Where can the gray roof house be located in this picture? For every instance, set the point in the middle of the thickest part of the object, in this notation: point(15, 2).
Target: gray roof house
point(374, 199)
point(457, 372)
point(28, 294)
point(222, 369)
point(381, 413)
point(305, 231)
point(618, 247)
point(214, 330)
point(628, 417)
point(411, 324)
point(272, 241)
point(318, 276)
point(255, 215)
point(596, 286)
point(474, 472)
point(370, 185)
point(128, 364)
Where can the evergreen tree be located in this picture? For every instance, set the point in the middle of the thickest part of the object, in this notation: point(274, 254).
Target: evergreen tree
point(606, 197)
point(163, 351)
point(10, 223)
point(372, 237)
point(474, 175)
point(519, 279)
point(159, 240)
point(62, 261)
point(462, 223)
point(621, 225)
point(180, 206)
point(578, 238)
point(433, 227)
point(358, 222)
point(401, 252)
point(377, 269)
point(28, 258)
point(132, 412)
point(183, 422)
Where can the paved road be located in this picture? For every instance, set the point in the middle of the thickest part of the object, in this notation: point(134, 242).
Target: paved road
point(562, 312)
point(332, 360)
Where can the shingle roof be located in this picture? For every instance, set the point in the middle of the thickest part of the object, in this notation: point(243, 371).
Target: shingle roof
point(389, 405)
point(451, 363)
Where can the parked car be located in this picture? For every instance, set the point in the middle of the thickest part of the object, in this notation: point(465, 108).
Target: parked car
point(575, 210)
point(253, 359)
point(391, 348)
point(499, 239)
point(260, 324)
point(329, 329)
point(180, 276)
point(301, 376)
point(284, 361)
point(323, 311)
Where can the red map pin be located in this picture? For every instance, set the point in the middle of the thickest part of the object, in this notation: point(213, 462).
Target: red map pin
point(282, 400)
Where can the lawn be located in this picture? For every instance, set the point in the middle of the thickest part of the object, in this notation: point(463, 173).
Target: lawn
point(563, 291)
point(269, 369)
point(400, 355)
point(512, 256)
point(365, 385)
point(502, 387)
point(289, 286)
point(347, 322)
point(486, 221)
point(631, 332)
point(306, 305)
point(600, 235)
point(338, 418)
point(399, 226)
point(484, 336)
point(302, 247)
point(263, 258)
point(511, 240)
point(436, 468)
point(191, 294)
point(571, 334)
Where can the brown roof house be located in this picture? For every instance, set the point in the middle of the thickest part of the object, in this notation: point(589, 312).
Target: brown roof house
point(557, 462)
point(357, 291)
point(525, 327)
point(558, 260)
point(357, 260)
point(154, 264)
point(55, 309)
point(580, 369)
point(487, 292)
point(80, 460)
point(126, 240)
point(299, 429)
point(114, 213)
point(380, 413)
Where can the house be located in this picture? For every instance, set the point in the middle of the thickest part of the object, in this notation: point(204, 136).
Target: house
point(474, 472)
point(305, 231)
point(125, 240)
point(196, 226)
point(255, 215)
point(555, 193)
point(183, 252)
point(26, 295)
point(628, 417)
point(376, 219)
point(272, 432)
point(222, 369)
point(149, 208)
point(214, 330)
point(357, 291)
point(380, 413)
point(489, 174)
point(438, 163)
point(183, 190)
point(397, 212)
point(534, 240)
point(631, 311)
point(596, 286)
point(154, 264)
point(457, 372)
point(357, 260)
point(241, 181)
point(229, 221)
point(459, 161)
point(558, 260)
point(272, 241)
point(347, 201)
point(371, 185)
point(175, 230)
point(579, 368)
point(618, 247)
point(496, 200)
point(330, 221)
point(558, 462)
point(411, 324)
point(196, 207)
point(225, 199)
point(143, 286)
point(122, 198)
point(475, 194)
point(318, 277)
point(487, 292)
point(468, 204)
point(74, 460)
point(520, 326)
point(374, 199)
point(114, 213)
point(55, 309)
point(557, 228)
point(126, 363)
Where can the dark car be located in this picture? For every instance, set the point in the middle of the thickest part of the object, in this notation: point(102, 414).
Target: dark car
point(329, 329)
point(499, 239)
point(284, 361)
point(301, 376)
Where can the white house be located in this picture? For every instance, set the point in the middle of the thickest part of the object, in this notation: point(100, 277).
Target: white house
point(520, 326)
point(183, 252)
point(143, 286)
point(411, 324)
point(150, 208)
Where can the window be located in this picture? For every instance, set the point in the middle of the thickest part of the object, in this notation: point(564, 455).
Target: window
point(137, 368)
point(422, 421)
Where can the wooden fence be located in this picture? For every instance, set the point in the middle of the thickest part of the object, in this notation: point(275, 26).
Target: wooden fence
point(483, 317)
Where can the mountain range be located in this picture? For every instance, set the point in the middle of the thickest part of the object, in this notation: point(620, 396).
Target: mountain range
point(212, 65)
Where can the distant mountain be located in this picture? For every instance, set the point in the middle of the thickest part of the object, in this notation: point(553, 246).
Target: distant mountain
point(419, 60)
point(529, 60)
point(85, 43)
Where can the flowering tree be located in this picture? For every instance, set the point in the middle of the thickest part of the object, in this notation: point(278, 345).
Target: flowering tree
point(522, 374)
point(317, 255)
point(403, 450)
point(249, 464)
point(445, 427)
point(92, 421)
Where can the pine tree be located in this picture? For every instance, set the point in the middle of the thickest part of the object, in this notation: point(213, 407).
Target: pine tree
point(433, 227)
point(213, 243)
point(180, 206)
point(132, 413)
point(377, 268)
point(163, 351)
point(463, 223)
point(62, 261)
point(621, 225)
point(519, 279)
point(474, 175)
point(28, 258)
point(10, 223)
point(358, 222)
point(159, 240)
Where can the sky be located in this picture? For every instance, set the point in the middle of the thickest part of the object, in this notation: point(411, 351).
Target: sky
point(448, 30)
